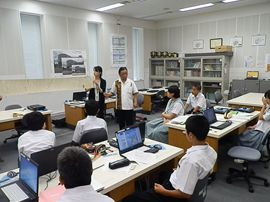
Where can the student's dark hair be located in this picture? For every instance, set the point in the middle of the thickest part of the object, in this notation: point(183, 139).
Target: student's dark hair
point(198, 125)
point(75, 167)
point(267, 94)
point(122, 69)
point(91, 107)
point(34, 121)
point(175, 90)
point(197, 86)
point(98, 69)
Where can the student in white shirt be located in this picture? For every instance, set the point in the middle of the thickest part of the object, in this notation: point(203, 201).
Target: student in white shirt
point(254, 135)
point(75, 170)
point(126, 98)
point(90, 122)
point(196, 100)
point(195, 165)
point(37, 138)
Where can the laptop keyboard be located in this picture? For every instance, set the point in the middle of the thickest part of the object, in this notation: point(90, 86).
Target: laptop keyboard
point(14, 193)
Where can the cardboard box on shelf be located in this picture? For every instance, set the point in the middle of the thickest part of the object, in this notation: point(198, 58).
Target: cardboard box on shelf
point(222, 49)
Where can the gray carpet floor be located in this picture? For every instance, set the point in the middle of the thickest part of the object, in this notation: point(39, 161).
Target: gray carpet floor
point(218, 191)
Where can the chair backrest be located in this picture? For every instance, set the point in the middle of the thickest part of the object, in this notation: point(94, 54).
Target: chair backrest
point(208, 104)
point(140, 99)
point(159, 95)
point(236, 93)
point(94, 135)
point(218, 97)
point(15, 106)
point(200, 190)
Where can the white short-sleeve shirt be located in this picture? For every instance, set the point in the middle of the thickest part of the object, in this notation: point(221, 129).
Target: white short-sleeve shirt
point(90, 122)
point(35, 141)
point(198, 100)
point(264, 125)
point(128, 89)
point(175, 107)
point(193, 166)
point(83, 193)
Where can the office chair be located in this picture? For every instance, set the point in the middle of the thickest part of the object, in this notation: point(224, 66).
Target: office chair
point(236, 93)
point(158, 99)
point(200, 190)
point(20, 127)
point(139, 109)
point(245, 155)
point(94, 136)
point(218, 97)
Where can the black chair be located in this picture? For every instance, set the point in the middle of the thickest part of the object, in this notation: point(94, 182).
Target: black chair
point(200, 190)
point(20, 127)
point(218, 97)
point(94, 136)
point(139, 109)
point(158, 100)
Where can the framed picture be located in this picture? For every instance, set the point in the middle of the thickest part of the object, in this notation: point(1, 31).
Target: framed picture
point(258, 40)
point(216, 42)
point(237, 41)
point(198, 44)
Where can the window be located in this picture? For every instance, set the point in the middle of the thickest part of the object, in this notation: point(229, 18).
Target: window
point(32, 46)
point(93, 44)
point(138, 53)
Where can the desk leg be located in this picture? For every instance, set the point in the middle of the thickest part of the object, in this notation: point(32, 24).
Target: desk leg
point(178, 139)
point(48, 122)
point(147, 103)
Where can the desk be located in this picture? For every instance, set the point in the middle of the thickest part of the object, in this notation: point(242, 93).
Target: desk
point(74, 111)
point(147, 102)
point(119, 184)
point(7, 121)
point(177, 136)
point(250, 100)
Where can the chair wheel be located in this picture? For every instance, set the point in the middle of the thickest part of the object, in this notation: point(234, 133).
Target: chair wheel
point(266, 184)
point(228, 180)
point(251, 190)
point(5, 141)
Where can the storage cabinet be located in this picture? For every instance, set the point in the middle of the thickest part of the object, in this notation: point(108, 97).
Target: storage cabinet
point(249, 86)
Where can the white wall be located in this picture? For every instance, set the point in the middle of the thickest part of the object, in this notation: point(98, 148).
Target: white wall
point(178, 35)
point(64, 28)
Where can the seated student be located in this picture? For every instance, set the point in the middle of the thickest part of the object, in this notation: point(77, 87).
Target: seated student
point(155, 129)
point(254, 135)
point(75, 170)
point(37, 138)
point(196, 164)
point(196, 100)
point(90, 122)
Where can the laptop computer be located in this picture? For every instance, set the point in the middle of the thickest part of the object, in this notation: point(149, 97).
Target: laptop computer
point(47, 159)
point(129, 139)
point(26, 188)
point(79, 96)
point(210, 115)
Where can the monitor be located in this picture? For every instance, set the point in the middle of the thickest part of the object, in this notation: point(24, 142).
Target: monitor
point(252, 75)
point(210, 115)
point(79, 96)
point(29, 173)
point(129, 139)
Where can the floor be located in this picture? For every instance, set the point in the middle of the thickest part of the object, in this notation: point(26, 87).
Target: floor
point(218, 191)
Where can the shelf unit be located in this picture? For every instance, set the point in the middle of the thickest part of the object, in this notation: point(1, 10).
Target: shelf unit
point(164, 72)
point(211, 72)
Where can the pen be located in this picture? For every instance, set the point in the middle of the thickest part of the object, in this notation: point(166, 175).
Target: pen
point(98, 167)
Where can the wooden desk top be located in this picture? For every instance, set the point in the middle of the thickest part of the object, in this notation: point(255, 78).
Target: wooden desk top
point(149, 93)
point(82, 103)
point(249, 99)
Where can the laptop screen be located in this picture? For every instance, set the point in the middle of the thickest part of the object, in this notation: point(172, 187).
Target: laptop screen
point(79, 96)
point(29, 173)
point(129, 139)
point(210, 115)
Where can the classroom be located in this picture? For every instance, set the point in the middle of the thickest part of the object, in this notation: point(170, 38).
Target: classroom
point(133, 101)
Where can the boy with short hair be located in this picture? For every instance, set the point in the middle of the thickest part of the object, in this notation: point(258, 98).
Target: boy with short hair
point(195, 165)
point(196, 100)
point(37, 138)
point(75, 170)
point(90, 122)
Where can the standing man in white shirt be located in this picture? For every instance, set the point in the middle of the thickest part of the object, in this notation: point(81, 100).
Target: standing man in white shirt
point(126, 98)
point(196, 100)
point(37, 138)
point(75, 170)
point(195, 165)
point(90, 122)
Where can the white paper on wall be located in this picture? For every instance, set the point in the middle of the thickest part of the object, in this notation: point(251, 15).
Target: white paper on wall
point(267, 62)
point(249, 62)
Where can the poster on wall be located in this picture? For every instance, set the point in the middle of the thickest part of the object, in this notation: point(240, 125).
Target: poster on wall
point(267, 62)
point(248, 62)
point(198, 44)
point(258, 40)
point(119, 50)
point(68, 63)
point(237, 41)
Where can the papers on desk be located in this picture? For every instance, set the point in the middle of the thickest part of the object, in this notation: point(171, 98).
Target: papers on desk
point(140, 156)
point(240, 117)
point(180, 120)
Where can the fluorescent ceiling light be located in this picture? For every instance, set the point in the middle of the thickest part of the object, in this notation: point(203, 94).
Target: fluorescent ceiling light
point(196, 7)
point(110, 7)
point(229, 1)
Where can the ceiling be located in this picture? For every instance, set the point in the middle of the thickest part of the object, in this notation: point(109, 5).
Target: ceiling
point(153, 9)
